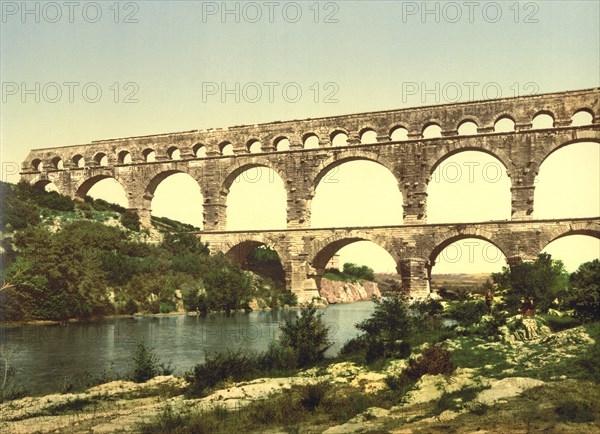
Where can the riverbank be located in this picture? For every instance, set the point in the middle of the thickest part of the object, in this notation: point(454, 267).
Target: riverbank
point(537, 384)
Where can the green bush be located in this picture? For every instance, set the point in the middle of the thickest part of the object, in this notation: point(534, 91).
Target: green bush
point(433, 361)
point(146, 365)
point(575, 412)
point(360, 272)
point(307, 336)
point(130, 220)
point(467, 312)
point(218, 367)
point(583, 296)
point(559, 323)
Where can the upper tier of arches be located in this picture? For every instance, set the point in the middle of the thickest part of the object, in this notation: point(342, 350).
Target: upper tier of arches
point(431, 123)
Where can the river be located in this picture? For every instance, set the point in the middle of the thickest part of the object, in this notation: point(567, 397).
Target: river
point(48, 356)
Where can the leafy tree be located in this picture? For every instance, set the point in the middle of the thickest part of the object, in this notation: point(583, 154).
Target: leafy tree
point(227, 285)
point(545, 280)
point(584, 291)
point(359, 272)
point(183, 243)
point(146, 365)
point(307, 337)
point(390, 321)
point(130, 220)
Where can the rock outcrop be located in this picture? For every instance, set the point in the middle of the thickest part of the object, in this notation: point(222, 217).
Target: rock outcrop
point(347, 292)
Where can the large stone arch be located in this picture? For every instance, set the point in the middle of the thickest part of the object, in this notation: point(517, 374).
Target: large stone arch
point(553, 146)
point(84, 185)
point(232, 172)
point(345, 156)
point(443, 239)
point(159, 175)
point(237, 249)
point(324, 250)
point(561, 231)
point(442, 153)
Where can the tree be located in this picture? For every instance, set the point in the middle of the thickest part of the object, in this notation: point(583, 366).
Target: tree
point(307, 337)
point(227, 285)
point(584, 291)
point(545, 280)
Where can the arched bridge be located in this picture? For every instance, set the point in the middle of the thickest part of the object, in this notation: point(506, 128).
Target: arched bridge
point(302, 152)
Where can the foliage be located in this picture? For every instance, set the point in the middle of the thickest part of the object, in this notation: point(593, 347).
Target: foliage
point(146, 365)
point(575, 412)
point(359, 271)
point(218, 367)
point(433, 361)
point(583, 296)
point(467, 312)
point(545, 280)
point(130, 220)
point(307, 337)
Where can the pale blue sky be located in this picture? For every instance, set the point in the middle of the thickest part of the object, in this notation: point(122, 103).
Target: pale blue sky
point(371, 53)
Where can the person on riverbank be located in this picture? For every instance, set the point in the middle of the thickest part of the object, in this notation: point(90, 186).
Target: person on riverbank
point(489, 301)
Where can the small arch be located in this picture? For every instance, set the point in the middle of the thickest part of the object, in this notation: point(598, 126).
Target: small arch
point(46, 185)
point(398, 134)
point(254, 146)
point(582, 117)
point(310, 141)
point(37, 164)
point(174, 153)
point(282, 144)
point(542, 120)
point(57, 162)
point(124, 157)
point(330, 246)
point(226, 149)
point(339, 138)
point(574, 247)
point(149, 155)
point(101, 159)
point(368, 136)
point(432, 131)
point(78, 161)
point(504, 124)
point(467, 128)
point(199, 150)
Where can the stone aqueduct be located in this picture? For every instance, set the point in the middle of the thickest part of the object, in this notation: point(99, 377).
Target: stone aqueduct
point(412, 159)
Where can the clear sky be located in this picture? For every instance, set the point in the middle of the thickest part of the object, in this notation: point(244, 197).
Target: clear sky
point(154, 63)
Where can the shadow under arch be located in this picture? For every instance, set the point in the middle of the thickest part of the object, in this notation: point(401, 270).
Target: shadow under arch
point(239, 251)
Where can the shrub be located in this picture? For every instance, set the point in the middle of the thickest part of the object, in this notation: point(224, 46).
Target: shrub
point(146, 365)
point(559, 323)
point(166, 307)
point(130, 307)
point(359, 272)
point(277, 358)
point(307, 336)
point(130, 220)
point(467, 312)
point(312, 395)
point(576, 412)
point(584, 291)
point(433, 361)
point(226, 366)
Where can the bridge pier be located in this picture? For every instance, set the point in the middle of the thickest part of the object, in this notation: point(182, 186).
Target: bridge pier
point(415, 273)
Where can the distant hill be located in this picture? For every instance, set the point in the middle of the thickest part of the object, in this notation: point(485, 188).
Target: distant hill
point(449, 281)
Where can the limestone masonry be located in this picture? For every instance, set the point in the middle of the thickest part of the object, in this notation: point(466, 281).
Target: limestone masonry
point(305, 251)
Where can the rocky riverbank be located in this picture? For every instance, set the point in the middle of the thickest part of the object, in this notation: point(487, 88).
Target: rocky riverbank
point(528, 389)
point(347, 292)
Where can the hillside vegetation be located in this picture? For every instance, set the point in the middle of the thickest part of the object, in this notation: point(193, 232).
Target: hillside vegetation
point(66, 259)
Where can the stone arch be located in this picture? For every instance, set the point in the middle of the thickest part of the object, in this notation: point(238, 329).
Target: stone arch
point(502, 116)
point(174, 153)
point(445, 238)
point(238, 248)
point(468, 120)
point(324, 250)
point(591, 229)
point(395, 129)
point(543, 156)
point(57, 162)
point(124, 157)
point(349, 155)
point(232, 172)
point(543, 113)
point(307, 136)
point(583, 110)
point(226, 148)
point(443, 153)
point(199, 150)
point(100, 158)
point(156, 178)
point(364, 132)
point(78, 160)
point(282, 143)
point(336, 133)
point(149, 155)
point(83, 187)
point(254, 146)
point(432, 124)
point(42, 183)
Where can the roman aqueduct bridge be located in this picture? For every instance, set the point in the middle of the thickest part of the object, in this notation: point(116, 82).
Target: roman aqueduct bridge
point(301, 152)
